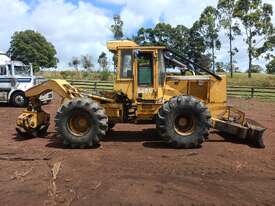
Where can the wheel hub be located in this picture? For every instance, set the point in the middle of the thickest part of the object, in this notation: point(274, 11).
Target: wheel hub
point(79, 124)
point(184, 125)
point(19, 99)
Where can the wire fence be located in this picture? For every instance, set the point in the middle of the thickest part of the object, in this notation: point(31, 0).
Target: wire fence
point(251, 92)
point(236, 91)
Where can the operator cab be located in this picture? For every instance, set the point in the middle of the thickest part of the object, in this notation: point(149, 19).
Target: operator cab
point(140, 70)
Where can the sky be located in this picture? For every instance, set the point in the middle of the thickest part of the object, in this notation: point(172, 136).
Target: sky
point(80, 27)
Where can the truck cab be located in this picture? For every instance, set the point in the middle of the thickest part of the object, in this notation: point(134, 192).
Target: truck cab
point(15, 79)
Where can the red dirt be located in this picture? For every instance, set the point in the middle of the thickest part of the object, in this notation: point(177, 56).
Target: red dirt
point(132, 167)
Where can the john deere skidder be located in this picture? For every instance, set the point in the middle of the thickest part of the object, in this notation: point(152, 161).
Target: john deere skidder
point(183, 107)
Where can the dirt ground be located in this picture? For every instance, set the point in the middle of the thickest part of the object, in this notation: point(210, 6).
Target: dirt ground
point(133, 167)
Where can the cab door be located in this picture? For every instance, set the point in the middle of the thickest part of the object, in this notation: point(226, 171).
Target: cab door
point(5, 83)
point(124, 75)
point(145, 68)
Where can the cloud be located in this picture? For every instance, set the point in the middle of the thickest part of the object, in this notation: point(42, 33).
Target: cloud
point(74, 29)
point(13, 15)
point(118, 2)
point(82, 27)
point(137, 13)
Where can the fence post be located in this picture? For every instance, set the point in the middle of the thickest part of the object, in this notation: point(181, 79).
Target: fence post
point(252, 92)
point(94, 86)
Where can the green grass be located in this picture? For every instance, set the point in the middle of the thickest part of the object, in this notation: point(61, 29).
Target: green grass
point(81, 75)
point(257, 80)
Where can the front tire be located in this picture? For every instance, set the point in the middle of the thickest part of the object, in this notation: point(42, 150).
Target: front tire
point(81, 123)
point(184, 121)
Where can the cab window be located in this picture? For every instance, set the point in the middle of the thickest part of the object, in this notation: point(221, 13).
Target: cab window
point(145, 69)
point(22, 70)
point(3, 70)
point(126, 70)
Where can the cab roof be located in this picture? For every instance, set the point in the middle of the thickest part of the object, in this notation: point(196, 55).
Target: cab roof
point(127, 44)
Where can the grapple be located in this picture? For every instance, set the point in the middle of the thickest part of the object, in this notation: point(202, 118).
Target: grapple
point(33, 122)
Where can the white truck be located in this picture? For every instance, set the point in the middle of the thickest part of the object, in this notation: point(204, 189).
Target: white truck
point(15, 79)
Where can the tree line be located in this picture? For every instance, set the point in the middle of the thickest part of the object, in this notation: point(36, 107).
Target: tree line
point(86, 61)
point(250, 19)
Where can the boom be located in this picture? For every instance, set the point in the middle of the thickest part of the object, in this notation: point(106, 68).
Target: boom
point(179, 59)
point(61, 87)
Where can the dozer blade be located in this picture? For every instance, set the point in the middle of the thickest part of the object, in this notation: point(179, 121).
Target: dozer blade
point(252, 133)
point(255, 133)
point(233, 122)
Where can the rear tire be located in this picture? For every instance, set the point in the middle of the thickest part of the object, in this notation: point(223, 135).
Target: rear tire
point(18, 99)
point(184, 121)
point(81, 123)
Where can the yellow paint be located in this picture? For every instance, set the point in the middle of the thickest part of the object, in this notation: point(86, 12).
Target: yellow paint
point(114, 45)
point(218, 90)
point(29, 120)
point(59, 86)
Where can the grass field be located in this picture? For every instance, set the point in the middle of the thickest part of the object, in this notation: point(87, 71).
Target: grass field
point(81, 75)
point(257, 80)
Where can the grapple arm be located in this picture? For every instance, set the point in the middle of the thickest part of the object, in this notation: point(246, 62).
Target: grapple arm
point(34, 120)
point(61, 87)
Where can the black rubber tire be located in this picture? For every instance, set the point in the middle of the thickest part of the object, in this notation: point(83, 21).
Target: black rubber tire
point(97, 120)
point(111, 125)
point(183, 105)
point(19, 94)
point(43, 131)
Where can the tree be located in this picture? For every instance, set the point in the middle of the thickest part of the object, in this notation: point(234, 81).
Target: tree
point(226, 17)
point(256, 68)
point(103, 61)
point(86, 61)
point(31, 47)
point(270, 67)
point(267, 47)
point(220, 67)
point(117, 27)
point(162, 34)
point(181, 39)
point(196, 47)
point(256, 19)
point(75, 62)
point(209, 30)
point(205, 61)
point(227, 67)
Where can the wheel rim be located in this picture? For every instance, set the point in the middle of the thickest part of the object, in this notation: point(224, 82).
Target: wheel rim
point(79, 123)
point(185, 124)
point(19, 100)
